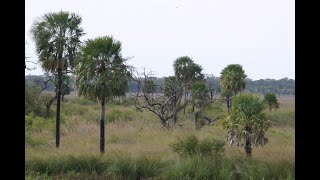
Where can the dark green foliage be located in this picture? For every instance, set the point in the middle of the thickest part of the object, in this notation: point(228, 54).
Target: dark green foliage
point(186, 71)
point(111, 78)
point(66, 86)
point(232, 81)
point(262, 86)
point(48, 34)
point(271, 101)
point(233, 78)
point(247, 122)
point(282, 86)
point(200, 92)
point(191, 146)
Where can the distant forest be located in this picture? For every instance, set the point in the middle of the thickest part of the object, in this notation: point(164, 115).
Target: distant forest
point(284, 86)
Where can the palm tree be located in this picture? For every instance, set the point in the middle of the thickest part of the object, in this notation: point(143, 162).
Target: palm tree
point(57, 37)
point(232, 80)
point(187, 72)
point(247, 123)
point(102, 74)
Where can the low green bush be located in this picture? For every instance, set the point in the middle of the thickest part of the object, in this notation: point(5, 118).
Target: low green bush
point(191, 146)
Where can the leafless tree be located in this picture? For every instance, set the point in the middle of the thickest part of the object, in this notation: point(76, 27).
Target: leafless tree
point(154, 98)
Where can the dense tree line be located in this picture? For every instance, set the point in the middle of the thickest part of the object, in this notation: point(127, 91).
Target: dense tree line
point(284, 86)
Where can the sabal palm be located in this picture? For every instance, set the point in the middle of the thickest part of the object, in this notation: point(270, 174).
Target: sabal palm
point(233, 78)
point(57, 37)
point(102, 74)
point(247, 122)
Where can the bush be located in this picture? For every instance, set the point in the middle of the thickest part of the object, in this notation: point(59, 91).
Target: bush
point(191, 146)
point(185, 147)
point(38, 124)
point(117, 116)
point(35, 102)
point(211, 147)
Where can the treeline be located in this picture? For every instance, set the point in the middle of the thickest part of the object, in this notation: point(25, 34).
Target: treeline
point(284, 86)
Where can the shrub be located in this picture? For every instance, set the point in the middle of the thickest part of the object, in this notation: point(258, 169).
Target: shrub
point(38, 124)
point(191, 146)
point(185, 147)
point(211, 147)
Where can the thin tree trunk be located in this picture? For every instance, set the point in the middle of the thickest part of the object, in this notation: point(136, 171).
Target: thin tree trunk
point(185, 99)
point(62, 98)
point(192, 107)
point(48, 105)
point(58, 108)
point(102, 116)
point(228, 104)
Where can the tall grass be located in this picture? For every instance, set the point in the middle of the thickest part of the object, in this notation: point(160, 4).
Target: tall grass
point(137, 147)
point(146, 168)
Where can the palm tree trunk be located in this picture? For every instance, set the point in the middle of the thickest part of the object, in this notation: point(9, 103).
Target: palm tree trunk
point(102, 116)
point(248, 148)
point(58, 108)
point(185, 99)
point(228, 104)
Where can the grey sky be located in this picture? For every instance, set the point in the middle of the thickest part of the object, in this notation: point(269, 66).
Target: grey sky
point(258, 34)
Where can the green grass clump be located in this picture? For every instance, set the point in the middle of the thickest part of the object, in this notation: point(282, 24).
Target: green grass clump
point(123, 167)
point(191, 146)
point(128, 168)
point(118, 116)
point(62, 165)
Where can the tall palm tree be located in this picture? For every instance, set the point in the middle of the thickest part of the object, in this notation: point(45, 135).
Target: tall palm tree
point(187, 72)
point(57, 37)
point(232, 81)
point(102, 74)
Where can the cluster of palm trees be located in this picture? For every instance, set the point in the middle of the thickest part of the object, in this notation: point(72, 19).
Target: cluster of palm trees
point(99, 67)
point(101, 72)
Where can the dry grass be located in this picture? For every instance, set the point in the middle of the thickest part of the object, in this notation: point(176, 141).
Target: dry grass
point(143, 137)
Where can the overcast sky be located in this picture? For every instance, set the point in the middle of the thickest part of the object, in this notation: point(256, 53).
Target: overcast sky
point(258, 34)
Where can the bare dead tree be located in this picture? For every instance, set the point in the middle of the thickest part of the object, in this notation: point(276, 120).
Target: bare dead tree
point(155, 99)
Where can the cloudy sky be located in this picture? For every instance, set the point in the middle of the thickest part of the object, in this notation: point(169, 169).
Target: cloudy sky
point(258, 34)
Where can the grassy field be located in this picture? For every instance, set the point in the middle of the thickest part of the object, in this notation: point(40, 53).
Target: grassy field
point(137, 148)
